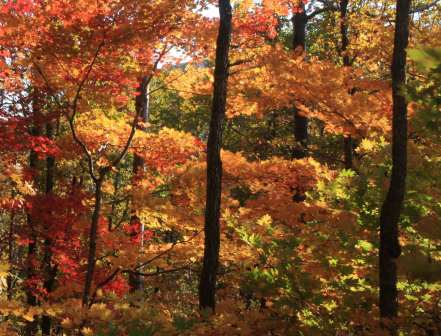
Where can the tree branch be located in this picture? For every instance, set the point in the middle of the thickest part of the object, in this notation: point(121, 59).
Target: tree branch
point(423, 8)
point(159, 272)
point(71, 118)
point(321, 10)
point(166, 251)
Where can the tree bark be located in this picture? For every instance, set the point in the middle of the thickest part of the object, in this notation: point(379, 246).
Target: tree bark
point(31, 300)
point(390, 212)
point(49, 271)
point(347, 141)
point(98, 197)
point(299, 21)
point(93, 234)
point(207, 285)
point(142, 109)
point(142, 106)
point(10, 278)
point(348, 152)
point(344, 31)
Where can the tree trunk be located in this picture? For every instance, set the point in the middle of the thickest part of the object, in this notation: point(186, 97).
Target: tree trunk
point(299, 21)
point(141, 106)
point(344, 32)
point(390, 212)
point(142, 109)
point(10, 278)
point(49, 271)
point(116, 186)
point(347, 141)
point(348, 152)
point(31, 300)
point(207, 285)
point(93, 234)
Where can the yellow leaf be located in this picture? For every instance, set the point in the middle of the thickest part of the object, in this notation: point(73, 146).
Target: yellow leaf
point(28, 316)
point(66, 323)
point(4, 270)
point(86, 331)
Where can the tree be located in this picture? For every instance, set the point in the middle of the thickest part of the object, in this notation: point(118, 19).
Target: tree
point(94, 200)
point(50, 268)
point(207, 285)
point(31, 299)
point(300, 20)
point(390, 248)
point(348, 150)
point(142, 106)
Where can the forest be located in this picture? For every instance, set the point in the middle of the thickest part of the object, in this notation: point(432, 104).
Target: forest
point(220, 167)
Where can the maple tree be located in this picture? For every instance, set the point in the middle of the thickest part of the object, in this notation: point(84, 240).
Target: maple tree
point(204, 167)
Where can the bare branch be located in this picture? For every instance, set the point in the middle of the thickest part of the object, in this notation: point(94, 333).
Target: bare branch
point(327, 8)
point(167, 251)
point(239, 62)
point(71, 118)
point(423, 8)
point(102, 284)
point(159, 271)
point(135, 119)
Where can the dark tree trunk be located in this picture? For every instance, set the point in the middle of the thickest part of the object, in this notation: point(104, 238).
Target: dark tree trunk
point(98, 195)
point(142, 109)
point(348, 151)
point(93, 234)
point(50, 272)
point(390, 212)
point(207, 285)
point(143, 100)
point(116, 186)
point(344, 31)
point(347, 143)
point(31, 300)
point(299, 21)
point(10, 278)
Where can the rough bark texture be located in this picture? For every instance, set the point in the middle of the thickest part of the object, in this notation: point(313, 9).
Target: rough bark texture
point(142, 109)
point(300, 122)
point(390, 212)
point(207, 286)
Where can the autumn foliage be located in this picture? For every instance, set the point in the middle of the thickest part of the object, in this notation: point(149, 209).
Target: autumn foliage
point(103, 180)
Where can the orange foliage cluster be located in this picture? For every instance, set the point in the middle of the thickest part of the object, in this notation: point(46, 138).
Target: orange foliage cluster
point(76, 66)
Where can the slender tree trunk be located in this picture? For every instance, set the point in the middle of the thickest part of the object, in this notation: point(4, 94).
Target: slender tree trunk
point(142, 108)
point(143, 101)
point(390, 212)
point(347, 141)
point(50, 162)
point(98, 196)
point(49, 270)
point(116, 186)
point(10, 278)
point(348, 152)
point(344, 32)
point(31, 300)
point(299, 21)
point(207, 285)
point(93, 234)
